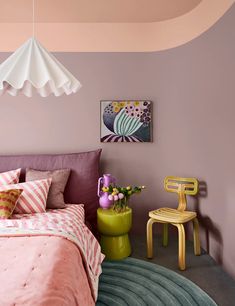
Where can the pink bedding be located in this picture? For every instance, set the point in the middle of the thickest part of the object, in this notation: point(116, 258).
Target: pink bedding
point(48, 259)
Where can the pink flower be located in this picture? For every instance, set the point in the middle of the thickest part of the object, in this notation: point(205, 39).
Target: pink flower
point(110, 197)
point(120, 196)
point(115, 197)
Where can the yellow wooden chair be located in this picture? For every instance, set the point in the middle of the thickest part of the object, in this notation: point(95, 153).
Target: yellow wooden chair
point(176, 217)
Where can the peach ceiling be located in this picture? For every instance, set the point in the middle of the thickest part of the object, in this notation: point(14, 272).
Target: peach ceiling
point(110, 25)
point(94, 10)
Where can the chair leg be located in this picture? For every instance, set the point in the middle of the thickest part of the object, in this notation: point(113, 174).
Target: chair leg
point(196, 239)
point(165, 235)
point(181, 235)
point(149, 231)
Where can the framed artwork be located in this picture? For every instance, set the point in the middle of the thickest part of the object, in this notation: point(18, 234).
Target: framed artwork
point(126, 121)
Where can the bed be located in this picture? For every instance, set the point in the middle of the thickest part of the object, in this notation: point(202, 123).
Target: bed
point(53, 258)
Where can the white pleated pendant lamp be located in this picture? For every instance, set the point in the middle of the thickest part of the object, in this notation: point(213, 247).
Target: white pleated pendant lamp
point(32, 69)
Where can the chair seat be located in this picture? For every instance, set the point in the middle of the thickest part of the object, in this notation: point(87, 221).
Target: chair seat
point(171, 215)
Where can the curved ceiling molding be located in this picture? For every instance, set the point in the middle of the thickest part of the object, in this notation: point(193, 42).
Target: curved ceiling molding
point(94, 11)
point(118, 37)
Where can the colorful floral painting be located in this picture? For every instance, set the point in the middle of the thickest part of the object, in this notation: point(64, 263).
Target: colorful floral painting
point(126, 121)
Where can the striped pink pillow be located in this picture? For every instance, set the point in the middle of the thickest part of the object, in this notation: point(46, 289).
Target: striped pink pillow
point(10, 177)
point(33, 198)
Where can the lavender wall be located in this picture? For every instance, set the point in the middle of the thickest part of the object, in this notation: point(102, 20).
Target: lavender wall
point(193, 90)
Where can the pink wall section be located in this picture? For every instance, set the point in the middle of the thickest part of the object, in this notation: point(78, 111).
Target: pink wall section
point(193, 90)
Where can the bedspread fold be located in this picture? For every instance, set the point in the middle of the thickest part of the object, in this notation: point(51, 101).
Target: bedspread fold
point(66, 224)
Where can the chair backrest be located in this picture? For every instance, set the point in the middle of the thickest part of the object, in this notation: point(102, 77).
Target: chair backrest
point(182, 186)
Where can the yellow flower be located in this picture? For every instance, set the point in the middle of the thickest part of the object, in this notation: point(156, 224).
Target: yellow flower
point(105, 189)
point(115, 104)
point(115, 190)
point(116, 109)
point(122, 104)
point(114, 193)
point(128, 188)
point(136, 103)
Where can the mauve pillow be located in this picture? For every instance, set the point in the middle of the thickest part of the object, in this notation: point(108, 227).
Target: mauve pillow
point(59, 180)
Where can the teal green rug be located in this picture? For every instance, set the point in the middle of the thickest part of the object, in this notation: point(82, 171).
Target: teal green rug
point(136, 282)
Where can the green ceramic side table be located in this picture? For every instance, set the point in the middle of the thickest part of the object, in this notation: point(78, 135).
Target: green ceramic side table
point(114, 228)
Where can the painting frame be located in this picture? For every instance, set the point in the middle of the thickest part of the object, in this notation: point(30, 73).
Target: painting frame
point(123, 121)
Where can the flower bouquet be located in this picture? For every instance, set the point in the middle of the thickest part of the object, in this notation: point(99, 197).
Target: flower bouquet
point(121, 195)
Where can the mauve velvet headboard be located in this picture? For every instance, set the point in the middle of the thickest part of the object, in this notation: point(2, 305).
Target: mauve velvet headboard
point(82, 183)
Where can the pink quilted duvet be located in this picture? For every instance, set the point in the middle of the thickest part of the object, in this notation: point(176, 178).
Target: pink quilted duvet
point(48, 259)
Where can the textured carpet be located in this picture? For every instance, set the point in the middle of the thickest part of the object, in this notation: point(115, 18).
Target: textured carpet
point(135, 282)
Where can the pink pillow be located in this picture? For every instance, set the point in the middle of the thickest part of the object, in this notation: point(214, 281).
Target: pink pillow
point(10, 177)
point(33, 198)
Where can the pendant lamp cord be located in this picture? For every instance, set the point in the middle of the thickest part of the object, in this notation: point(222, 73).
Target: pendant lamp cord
point(33, 20)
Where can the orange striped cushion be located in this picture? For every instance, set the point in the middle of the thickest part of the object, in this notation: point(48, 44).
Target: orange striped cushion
point(8, 200)
point(33, 198)
point(10, 177)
